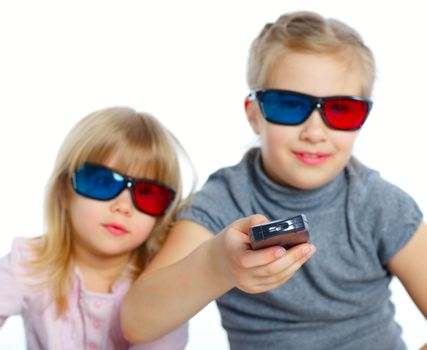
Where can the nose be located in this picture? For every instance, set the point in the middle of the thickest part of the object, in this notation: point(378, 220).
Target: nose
point(314, 129)
point(123, 203)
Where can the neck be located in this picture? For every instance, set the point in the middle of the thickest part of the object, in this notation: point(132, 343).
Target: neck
point(99, 272)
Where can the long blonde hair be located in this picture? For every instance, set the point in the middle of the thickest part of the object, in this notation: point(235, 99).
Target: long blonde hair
point(307, 32)
point(138, 141)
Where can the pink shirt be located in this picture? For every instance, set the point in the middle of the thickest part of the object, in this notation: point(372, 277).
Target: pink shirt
point(92, 321)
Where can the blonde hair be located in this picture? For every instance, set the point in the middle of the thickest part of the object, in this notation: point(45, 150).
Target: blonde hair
point(311, 33)
point(139, 142)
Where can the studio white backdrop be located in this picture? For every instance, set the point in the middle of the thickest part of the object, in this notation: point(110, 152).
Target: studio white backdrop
point(185, 62)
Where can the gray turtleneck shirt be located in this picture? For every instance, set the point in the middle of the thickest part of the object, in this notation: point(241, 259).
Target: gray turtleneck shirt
point(340, 299)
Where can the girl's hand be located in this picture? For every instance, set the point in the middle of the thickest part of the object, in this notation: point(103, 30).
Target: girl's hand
point(255, 271)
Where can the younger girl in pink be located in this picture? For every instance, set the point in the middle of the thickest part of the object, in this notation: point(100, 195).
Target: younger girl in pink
point(111, 198)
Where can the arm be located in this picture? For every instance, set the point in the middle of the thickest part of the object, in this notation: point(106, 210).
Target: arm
point(175, 340)
point(11, 298)
point(409, 266)
point(195, 267)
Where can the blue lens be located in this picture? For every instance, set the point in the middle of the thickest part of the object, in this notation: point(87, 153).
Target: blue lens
point(98, 182)
point(285, 107)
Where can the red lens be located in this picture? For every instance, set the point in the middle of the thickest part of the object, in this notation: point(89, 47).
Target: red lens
point(345, 114)
point(152, 198)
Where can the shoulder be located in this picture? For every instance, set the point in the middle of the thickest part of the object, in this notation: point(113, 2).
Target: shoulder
point(14, 277)
point(371, 194)
point(368, 185)
point(236, 174)
point(232, 183)
point(389, 213)
point(21, 251)
point(17, 262)
point(221, 199)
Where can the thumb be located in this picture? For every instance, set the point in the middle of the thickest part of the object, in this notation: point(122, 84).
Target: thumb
point(244, 224)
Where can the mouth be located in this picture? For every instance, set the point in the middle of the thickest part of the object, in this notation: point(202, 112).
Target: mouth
point(312, 158)
point(115, 229)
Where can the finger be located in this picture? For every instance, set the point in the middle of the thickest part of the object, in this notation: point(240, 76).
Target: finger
point(272, 281)
point(261, 257)
point(267, 285)
point(291, 261)
point(264, 282)
point(267, 277)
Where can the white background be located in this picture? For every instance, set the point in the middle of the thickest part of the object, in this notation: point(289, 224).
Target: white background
point(185, 62)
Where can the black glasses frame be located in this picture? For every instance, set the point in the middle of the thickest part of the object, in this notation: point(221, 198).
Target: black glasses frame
point(317, 103)
point(128, 183)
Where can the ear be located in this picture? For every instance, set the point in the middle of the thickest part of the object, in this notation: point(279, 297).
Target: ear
point(253, 114)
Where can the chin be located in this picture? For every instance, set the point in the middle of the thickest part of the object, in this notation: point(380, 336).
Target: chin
point(309, 184)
